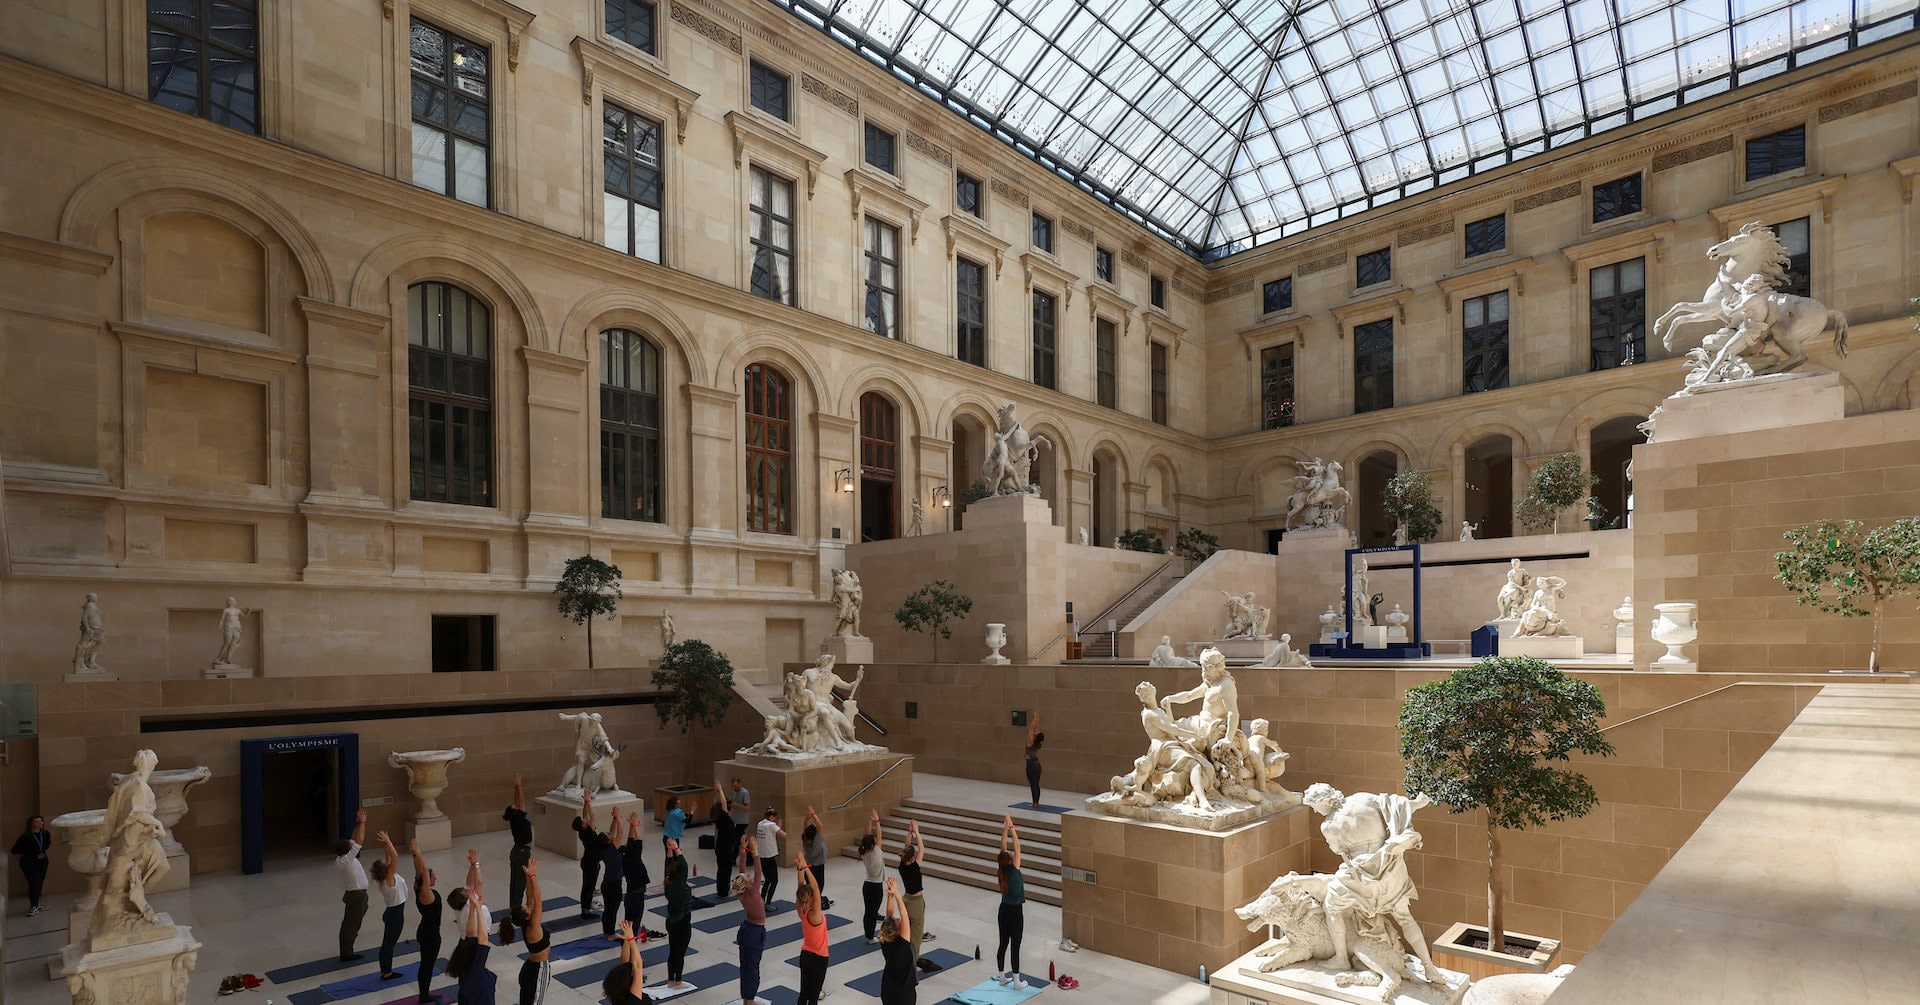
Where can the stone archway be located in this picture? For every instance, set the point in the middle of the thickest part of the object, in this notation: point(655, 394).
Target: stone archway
point(1610, 447)
point(1371, 526)
point(1487, 487)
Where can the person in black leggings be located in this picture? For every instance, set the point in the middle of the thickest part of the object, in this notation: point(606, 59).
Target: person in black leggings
point(1035, 740)
point(393, 901)
point(592, 846)
point(767, 836)
point(30, 848)
point(633, 868)
point(1013, 899)
point(612, 876)
point(427, 933)
point(527, 915)
point(522, 829)
point(679, 915)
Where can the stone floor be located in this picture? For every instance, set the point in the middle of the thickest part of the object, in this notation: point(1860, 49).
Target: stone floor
point(290, 915)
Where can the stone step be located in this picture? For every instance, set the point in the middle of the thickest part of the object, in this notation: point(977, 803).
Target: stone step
point(1045, 859)
point(1042, 887)
point(1042, 845)
point(1030, 824)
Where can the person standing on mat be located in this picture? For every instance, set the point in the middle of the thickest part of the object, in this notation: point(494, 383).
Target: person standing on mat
point(767, 836)
point(353, 881)
point(1013, 900)
point(427, 932)
point(592, 845)
point(673, 823)
point(726, 841)
point(477, 983)
point(30, 850)
point(912, 850)
point(393, 904)
point(1035, 740)
point(740, 804)
point(679, 915)
point(813, 934)
point(814, 841)
point(530, 918)
point(522, 828)
point(752, 936)
point(612, 872)
point(897, 976)
point(626, 983)
point(874, 861)
point(633, 868)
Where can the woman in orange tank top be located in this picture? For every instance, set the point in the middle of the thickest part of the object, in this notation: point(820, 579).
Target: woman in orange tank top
point(813, 936)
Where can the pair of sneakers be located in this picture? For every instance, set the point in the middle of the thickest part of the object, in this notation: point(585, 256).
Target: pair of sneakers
point(1067, 982)
point(1012, 980)
point(1069, 946)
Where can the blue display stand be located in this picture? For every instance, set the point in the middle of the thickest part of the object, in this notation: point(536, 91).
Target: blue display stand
point(1345, 649)
point(1486, 641)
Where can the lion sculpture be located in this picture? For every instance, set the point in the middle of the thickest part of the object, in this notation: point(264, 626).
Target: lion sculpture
point(1294, 908)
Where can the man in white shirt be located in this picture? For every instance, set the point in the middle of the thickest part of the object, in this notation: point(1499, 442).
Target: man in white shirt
point(767, 837)
point(353, 881)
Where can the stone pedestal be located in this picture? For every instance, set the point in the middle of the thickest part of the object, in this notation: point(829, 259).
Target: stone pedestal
point(791, 784)
point(553, 816)
point(849, 650)
point(437, 835)
point(152, 972)
point(225, 671)
point(1227, 814)
point(1242, 983)
point(1008, 511)
point(1164, 895)
point(1373, 636)
point(1745, 406)
point(1243, 649)
point(90, 677)
point(1554, 647)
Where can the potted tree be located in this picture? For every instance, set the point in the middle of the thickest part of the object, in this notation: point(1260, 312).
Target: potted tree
point(1836, 567)
point(1488, 737)
point(1195, 546)
point(588, 589)
point(697, 684)
point(1561, 481)
point(932, 609)
point(1141, 539)
point(1409, 504)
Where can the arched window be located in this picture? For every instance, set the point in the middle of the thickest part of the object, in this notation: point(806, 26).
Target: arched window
point(629, 427)
point(879, 466)
point(769, 401)
point(449, 395)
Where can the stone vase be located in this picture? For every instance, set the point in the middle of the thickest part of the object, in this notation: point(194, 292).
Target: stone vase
point(427, 779)
point(1674, 628)
point(170, 799)
point(84, 832)
point(996, 638)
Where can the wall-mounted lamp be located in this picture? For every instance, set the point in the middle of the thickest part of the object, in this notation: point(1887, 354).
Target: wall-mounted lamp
point(843, 479)
point(942, 497)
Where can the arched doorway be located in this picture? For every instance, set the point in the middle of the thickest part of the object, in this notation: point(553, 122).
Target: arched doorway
point(1046, 474)
point(879, 467)
point(1372, 527)
point(1487, 488)
point(1106, 498)
point(1610, 449)
point(967, 454)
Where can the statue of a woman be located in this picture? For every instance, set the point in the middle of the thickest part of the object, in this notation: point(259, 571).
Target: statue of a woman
point(134, 856)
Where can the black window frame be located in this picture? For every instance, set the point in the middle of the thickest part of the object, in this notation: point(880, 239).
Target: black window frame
point(880, 296)
point(1799, 263)
point(880, 148)
point(449, 387)
point(1158, 377)
point(1371, 268)
point(1373, 358)
point(1157, 291)
point(638, 176)
point(1106, 363)
point(206, 47)
point(631, 464)
point(1278, 388)
point(1613, 338)
point(1042, 235)
point(969, 196)
point(761, 221)
point(762, 93)
point(1276, 295)
point(767, 403)
point(970, 311)
point(453, 126)
point(1103, 264)
point(1619, 198)
point(637, 23)
point(1776, 153)
point(1484, 236)
point(1485, 348)
point(1046, 336)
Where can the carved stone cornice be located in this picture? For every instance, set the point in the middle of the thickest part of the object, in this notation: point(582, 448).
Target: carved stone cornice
point(872, 190)
point(1512, 270)
point(1374, 303)
point(1042, 266)
point(965, 232)
point(633, 74)
point(1760, 206)
point(1647, 236)
point(772, 144)
point(1103, 300)
point(1290, 326)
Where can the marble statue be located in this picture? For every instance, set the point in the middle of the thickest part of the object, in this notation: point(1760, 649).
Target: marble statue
point(1362, 599)
point(1760, 330)
point(915, 525)
point(1245, 619)
point(593, 756)
point(1330, 623)
point(846, 603)
point(230, 630)
point(93, 632)
point(1202, 769)
point(813, 724)
point(1265, 757)
point(1513, 595)
point(1318, 500)
point(1467, 530)
point(1164, 656)
point(1008, 470)
point(1084, 538)
point(1541, 618)
point(1400, 534)
point(1283, 655)
point(135, 856)
point(666, 628)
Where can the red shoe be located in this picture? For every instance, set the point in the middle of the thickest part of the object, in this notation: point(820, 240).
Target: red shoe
point(1067, 982)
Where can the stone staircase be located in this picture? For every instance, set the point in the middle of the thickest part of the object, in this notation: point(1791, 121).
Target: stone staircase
point(760, 688)
point(1097, 643)
point(963, 846)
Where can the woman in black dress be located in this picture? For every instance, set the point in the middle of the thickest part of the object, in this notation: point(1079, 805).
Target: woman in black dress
point(427, 933)
point(30, 848)
point(896, 950)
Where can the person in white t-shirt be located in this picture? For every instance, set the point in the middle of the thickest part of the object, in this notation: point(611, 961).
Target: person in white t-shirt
point(767, 835)
point(393, 899)
point(353, 883)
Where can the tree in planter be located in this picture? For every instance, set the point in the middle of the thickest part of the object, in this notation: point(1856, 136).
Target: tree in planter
point(588, 589)
point(932, 609)
point(1195, 545)
point(1143, 540)
point(698, 681)
point(1487, 738)
point(1409, 504)
point(1835, 567)
point(1560, 482)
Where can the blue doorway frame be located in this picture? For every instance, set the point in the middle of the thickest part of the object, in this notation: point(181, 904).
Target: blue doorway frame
point(253, 754)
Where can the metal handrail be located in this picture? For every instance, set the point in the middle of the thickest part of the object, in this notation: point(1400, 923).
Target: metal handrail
point(1102, 616)
point(1677, 704)
point(863, 789)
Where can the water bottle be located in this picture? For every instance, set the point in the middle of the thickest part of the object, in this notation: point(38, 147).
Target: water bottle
point(1203, 973)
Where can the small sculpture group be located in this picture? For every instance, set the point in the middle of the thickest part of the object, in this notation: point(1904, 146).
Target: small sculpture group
point(847, 596)
point(1318, 500)
point(1245, 619)
point(1532, 603)
point(593, 756)
point(1008, 469)
point(1195, 761)
point(1761, 329)
point(812, 723)
point(1362, 912)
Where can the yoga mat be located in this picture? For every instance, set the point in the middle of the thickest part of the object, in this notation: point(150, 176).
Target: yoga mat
point(845, 951)
point(446, 994)
point(991, 992)
point(369, 983)
point(549, 905)
point(1042, 808)
point(663, 991)
point(718, 975)
point(314, 968)
point(945, 959)
point(731, 920)
point(580, 977)
point(787, 933)
point(312, 997)
point(586, 945)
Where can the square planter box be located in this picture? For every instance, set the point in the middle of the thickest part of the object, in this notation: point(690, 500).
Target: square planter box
point(697, 800)
point(1464, 948)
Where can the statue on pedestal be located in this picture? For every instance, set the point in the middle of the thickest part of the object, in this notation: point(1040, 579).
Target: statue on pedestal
point(1164, 656)
point(1245, 619)
point(1318, 500)
point(1513, 595)
point(1283, 655)
point(1202, 764)
point(1467, 529)
point(1008, 470)
point(919, 518)
point(593, 756)
point(135, 857)
point(1541, 618)
point(813, 723)
point(846, 603)
point(231, 627)
point(93, 632)
point(1761, 330)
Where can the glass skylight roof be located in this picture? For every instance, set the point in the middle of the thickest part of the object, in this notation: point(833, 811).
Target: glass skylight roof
point(1221, 124)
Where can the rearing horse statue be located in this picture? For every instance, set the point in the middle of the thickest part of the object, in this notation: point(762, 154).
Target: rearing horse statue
point(1009, 465)
point(1753, 249)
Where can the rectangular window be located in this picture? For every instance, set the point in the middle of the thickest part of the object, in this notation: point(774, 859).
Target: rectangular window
point(880, 148)
point(966, 194)
point(463, 643)
point(450, 114)
point(1157, 367)
point(1373, 366)
point(771, 234)
point(1484, 237)
point(203, 58)
point(883, 279)
point(1105, 348)
point(1796, 238)
point(1617, 313)
point(1777, 153)
point(767, 89)
point(631, 21)
point(1483, 342)
point(1102, 264)
point(1373, 267)
point(1042, 232)
point(449, 396)
point(1157, 291)
point(970, 312)
point(1617, 198)
point(630, 158)
point(629, 427)
point(1045, 329)
point(1276, 386)
point(1276, 295)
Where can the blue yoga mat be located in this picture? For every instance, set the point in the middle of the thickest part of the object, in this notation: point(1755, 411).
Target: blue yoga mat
point(717, 923)
point(312, 997)
point(1042, 808)
point(314, 968)
point(991, 992)
point(586, 945)
point(716, 976)
point(549, 905)
point(580, 977)
point(365, 984)
point(846, 950)
point(946, 958)
point(788, 933)
point(778, 995)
